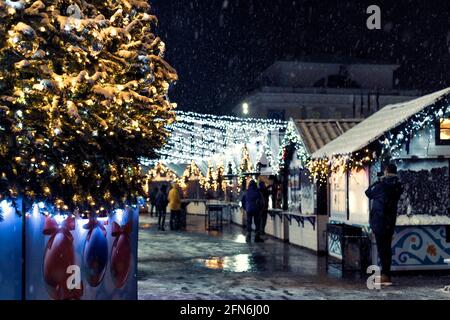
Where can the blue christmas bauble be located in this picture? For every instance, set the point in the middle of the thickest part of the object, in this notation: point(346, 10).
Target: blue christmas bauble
point(95, 256)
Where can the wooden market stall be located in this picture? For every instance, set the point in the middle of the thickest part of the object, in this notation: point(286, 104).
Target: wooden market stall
point(306, 208)
point(416, 136)
point(160, 175)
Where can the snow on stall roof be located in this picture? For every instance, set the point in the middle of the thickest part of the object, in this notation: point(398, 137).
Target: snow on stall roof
point(377, 124)
point(422, 220)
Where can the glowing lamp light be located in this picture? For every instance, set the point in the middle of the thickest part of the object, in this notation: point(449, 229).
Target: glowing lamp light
point(245, 108)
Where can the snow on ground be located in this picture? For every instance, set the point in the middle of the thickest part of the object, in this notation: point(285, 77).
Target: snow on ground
point(198, 266)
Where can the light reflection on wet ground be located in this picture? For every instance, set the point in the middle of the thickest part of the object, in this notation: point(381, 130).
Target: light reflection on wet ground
point(212, 265)
point(237, 263)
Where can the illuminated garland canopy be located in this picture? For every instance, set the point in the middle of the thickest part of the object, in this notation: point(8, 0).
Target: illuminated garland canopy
point(83, 97)
point(201, 137)
point(219, 141)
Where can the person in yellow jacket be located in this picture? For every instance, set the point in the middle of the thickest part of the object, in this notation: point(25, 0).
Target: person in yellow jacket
point(174, 207)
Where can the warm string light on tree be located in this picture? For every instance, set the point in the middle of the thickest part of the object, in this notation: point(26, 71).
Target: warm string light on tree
point(191, 173)
point(82, 100)
point(160, 173)
point(209, 181)
point(245, 165)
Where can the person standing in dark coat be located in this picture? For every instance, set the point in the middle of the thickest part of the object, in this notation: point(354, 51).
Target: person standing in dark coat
point(266, 194)
point(253, 203)
point(161, 203)
point(385, 195)
point(152, 197)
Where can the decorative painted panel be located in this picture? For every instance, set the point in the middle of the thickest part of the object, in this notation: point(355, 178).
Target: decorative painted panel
point(420, 247)
point(334, 245)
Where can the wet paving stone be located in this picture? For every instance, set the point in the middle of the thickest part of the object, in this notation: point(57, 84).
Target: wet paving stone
point(195, 264)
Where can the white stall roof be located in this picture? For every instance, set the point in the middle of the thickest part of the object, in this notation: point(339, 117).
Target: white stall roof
point(376, 125)
point(177, 168)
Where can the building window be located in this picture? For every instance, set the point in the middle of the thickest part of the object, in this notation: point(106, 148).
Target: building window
point(443, 131)
point(315, 115)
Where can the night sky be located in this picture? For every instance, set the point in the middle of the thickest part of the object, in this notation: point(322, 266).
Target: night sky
point(220, 47)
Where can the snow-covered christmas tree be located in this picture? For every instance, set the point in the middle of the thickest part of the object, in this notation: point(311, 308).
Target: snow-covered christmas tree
point(83, 97)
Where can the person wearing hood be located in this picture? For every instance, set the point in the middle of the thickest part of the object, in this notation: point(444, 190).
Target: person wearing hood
point(152, 197)
point(385, 195)
point(265, 191)
point(253, 203)
point(161, 203)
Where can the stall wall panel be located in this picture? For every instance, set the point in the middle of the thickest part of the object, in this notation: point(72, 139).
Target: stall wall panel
point(338, 196)
point(10, 253)
point(237, 216)
point(308, 193)
point(358, 202)
point(308, 235)
point(274, 227)
point(304, 236)
point(196, 208)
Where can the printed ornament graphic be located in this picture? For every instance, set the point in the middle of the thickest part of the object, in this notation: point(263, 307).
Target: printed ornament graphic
point(95, 252)
point(121, 253)
point(58, 257)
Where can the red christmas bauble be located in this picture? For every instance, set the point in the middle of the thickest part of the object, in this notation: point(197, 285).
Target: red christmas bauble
point(59, 255)
point(121, 254)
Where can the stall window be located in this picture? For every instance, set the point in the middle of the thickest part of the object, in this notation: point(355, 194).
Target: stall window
point(443, 131)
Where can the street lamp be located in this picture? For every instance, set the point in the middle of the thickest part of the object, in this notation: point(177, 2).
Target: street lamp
point(245, 108)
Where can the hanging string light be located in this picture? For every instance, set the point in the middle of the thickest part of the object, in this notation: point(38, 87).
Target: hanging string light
point(200, 137)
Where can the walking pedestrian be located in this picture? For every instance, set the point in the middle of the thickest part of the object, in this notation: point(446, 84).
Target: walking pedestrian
point(174, 207)
point(385, 194)
point(161, 202)
point(253, 202)
point(265, 192)
point(152, 197)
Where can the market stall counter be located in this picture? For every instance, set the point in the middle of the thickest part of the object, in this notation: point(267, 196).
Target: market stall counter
point(276, 225)
point(307, 231)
